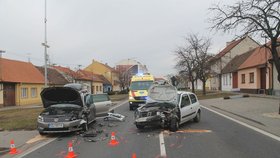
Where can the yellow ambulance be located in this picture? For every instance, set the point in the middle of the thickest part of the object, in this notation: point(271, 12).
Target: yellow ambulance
point(138, 90)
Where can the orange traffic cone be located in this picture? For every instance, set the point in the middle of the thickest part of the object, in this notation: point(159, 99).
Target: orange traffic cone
point(113, 141)
point(13, 149)
point(134, 155)
point(71, 153)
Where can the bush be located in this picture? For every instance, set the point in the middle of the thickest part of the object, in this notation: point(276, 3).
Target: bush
point(226, 97)
point(111, 93)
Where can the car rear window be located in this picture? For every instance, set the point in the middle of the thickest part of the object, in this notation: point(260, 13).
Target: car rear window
point(100, 98)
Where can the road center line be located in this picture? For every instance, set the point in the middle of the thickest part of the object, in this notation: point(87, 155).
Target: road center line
point(121, 104)
point(162, 145)
point(245, 124)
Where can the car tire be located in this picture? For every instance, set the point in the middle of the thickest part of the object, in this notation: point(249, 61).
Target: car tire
point(42, 134)
point(140, 126)
point(174, 124)
point(85, 127)
point(197, 117)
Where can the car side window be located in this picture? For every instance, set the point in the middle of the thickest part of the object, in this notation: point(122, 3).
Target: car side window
point(193, 98)
point(88, 100)
point(185, 101)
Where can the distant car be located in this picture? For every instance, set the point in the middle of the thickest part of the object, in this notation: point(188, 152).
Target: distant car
point(67, 109)
point(102, 104)
point(167, 107)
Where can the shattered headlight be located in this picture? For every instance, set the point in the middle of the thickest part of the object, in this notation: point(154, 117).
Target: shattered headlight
point(40, 118)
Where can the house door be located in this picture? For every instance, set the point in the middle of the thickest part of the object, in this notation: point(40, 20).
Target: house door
point(263, 78)
point(9, 94)
point(234, 80)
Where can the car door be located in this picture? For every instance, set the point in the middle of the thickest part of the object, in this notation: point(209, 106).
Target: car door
point(91, 107)
point(185, 108)
point(102, 104)
point(194, 105)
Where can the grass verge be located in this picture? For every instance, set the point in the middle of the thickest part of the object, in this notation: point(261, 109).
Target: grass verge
point(19, 119)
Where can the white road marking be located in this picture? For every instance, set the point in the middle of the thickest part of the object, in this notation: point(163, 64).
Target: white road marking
point(118, 105)
point(162, 145)
point(245, 124)
point(35, 148)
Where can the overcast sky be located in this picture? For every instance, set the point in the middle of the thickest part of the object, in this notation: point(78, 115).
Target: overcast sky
point(105, 30)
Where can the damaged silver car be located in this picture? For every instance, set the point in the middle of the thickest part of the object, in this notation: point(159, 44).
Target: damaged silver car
point(67, 109)
point(167, 107)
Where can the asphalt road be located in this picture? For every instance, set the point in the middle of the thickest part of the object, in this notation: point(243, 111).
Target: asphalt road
point(213, 137)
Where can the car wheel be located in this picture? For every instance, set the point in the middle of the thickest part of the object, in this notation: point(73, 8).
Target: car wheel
point(197, 117)
point(174, 125)
point(42, 134)
point(140, 126)
point(85, 127)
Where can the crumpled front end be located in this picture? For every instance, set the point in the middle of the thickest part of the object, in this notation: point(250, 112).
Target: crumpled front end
point(154, 114)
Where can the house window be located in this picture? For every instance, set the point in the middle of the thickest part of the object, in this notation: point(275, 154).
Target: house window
point(100, 88)
point(24, 92)
point(33, 92)
point(251, 77)
point(96, 88)
point(242, 78)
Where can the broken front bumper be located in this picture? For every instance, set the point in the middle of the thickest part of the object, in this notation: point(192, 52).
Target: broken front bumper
point(149, 121)
point(59, 127)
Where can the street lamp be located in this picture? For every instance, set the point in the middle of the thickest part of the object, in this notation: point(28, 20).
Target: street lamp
point(46, 46)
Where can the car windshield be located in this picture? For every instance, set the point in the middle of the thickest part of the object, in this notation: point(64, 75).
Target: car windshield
point(141, 85)
point(100, 98)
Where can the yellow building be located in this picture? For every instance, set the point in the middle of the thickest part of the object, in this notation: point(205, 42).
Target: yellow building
point(109, 73)
point(20, 82)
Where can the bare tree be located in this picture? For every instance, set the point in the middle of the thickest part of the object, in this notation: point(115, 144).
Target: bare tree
point(186, 64)
point(193, 60)
point(124, 78)
point(256, 17)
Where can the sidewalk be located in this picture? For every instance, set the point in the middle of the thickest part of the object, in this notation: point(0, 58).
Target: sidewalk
point(21, 107)
point(260, 112)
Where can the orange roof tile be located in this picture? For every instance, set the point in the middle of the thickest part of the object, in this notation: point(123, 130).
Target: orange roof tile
point(260, 56)
point(66, 71)
point(229, 47)
point(19, 72)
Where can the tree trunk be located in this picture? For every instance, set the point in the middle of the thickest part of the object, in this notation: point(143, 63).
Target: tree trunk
point(193, 86)
point(275, 57)
point(204, 87)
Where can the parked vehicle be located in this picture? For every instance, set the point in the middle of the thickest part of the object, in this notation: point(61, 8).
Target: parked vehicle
point(138, 90)
point(168, 108)
point(67, 109)
point(102, 104)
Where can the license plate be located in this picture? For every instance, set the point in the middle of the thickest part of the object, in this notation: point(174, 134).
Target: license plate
point(56, 125)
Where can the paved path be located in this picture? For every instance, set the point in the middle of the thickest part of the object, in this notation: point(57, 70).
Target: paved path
point(259, 112)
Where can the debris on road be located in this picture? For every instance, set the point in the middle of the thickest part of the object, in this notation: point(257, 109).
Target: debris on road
point(115, 116)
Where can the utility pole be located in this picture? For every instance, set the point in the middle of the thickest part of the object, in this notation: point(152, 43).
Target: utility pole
point(45, 44)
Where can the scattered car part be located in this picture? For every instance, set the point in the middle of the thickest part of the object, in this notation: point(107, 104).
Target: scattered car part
point(115, 116)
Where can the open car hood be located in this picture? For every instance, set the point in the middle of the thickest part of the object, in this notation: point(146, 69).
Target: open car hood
point(162, 93)
point(60, 95)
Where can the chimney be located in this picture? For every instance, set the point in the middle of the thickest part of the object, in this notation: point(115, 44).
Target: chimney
point(228, 43)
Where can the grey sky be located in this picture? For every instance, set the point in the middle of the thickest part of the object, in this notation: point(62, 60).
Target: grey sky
point(106, 30)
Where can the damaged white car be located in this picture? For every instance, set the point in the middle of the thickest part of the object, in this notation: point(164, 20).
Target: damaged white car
point(167, 107)
point(67, 109)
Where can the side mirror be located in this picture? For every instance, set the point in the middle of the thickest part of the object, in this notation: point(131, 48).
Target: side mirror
point(89, 100)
